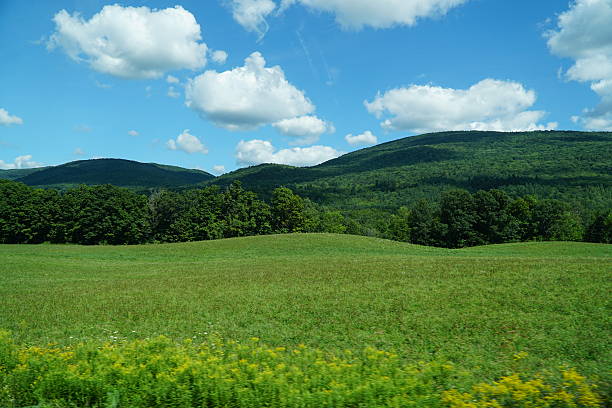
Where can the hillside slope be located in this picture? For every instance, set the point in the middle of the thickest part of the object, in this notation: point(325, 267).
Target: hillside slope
point(14, 174)
point(576, 166)
point(123, 173)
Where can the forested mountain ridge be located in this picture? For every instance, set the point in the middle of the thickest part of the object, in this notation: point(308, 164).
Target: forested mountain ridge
point(449, 189)
point(574, 166)
point(119, 172)
point(14, 174)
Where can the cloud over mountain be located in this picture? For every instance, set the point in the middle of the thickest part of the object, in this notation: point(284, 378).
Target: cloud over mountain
point(488, 105)
point(246, 97)
point(20, 162)
point(257, 151)
point(187, 143)
point(304, 129)
point(364, 139)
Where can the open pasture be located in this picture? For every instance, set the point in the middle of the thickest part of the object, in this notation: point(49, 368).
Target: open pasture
point(475, 307)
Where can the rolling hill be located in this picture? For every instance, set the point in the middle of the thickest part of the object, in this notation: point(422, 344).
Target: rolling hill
point(123, 173)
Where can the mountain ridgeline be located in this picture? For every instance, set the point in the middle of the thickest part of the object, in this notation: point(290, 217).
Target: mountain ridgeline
point(118, 172)
point(575, 167)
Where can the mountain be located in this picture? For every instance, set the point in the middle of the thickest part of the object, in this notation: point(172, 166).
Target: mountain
point(123, 173)
point(574, 166)
point(14, 174)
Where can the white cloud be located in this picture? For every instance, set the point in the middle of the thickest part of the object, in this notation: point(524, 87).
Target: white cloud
point(6, 119)
point(354, 14)
point(350, 14)
point(133, 133)
point(172, 79)
point(187, 143)
point(305, 129)
point(172, 92)
point(78, 152)
point(364, 139)
point(219, 57)
point(584, 34)
point(218, 169)
point(488, 105)
point(251, 14)
point(20, 162)
point(132, 42)
point(246, 97)
point(256, 151)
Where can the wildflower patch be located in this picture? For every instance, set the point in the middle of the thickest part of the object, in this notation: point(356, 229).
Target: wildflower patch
point(160, 372)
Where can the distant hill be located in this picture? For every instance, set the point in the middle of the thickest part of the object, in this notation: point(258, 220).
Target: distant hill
point(574, 166)
point(14, 174)
point(124, 173)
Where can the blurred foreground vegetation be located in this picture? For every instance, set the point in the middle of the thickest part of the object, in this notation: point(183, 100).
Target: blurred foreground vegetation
point(160, 373)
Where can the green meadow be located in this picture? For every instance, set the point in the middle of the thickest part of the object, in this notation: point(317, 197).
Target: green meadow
point(475, 307)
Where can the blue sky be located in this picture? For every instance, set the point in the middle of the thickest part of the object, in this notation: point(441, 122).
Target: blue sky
point(222, 84)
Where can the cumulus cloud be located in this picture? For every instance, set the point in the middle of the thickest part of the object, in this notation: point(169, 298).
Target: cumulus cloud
point(304, 129)
point(20, 162)
point(131, 42)
point(246, 97)
point(251, 14)
point(219, 57)
point(488, 105)
point(187, 143)
point(172, 79)
point(252, 152)
point(6, 119)
point(78, 152)
point(364, 139)
point(133, 133)
point(350, 14)
point(584, 34)
point(355, 14)
point(218, 169)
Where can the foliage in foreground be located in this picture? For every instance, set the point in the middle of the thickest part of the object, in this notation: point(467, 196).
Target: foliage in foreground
point(158, 372)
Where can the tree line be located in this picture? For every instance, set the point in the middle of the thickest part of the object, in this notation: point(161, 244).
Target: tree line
point(112, 215)
point(463, 219)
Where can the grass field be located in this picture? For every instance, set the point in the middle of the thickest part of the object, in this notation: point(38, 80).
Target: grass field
point(475, 307)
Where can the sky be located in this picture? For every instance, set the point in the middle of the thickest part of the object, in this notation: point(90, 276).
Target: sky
point(222, 84)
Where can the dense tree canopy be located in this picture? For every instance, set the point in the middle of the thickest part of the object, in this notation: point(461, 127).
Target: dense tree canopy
point(112, 215)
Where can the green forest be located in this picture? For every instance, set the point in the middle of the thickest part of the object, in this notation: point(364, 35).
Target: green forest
point(449, 189)
point(113, 215)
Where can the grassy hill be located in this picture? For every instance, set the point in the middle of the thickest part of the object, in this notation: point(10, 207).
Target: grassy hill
point(123, 173)
point(476, 307)
point(574, 166)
